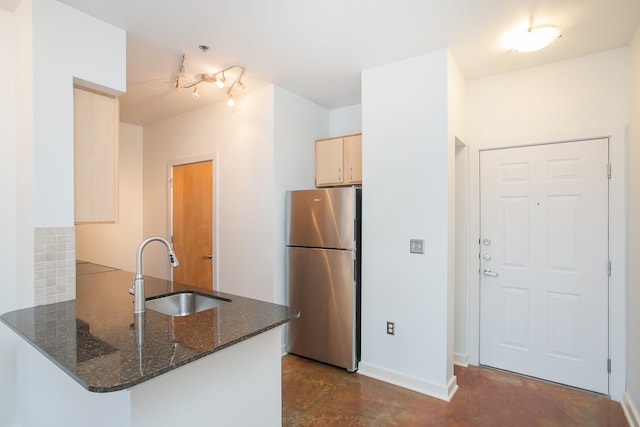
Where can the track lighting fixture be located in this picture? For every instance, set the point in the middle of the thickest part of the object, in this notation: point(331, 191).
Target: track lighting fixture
point(219, 78)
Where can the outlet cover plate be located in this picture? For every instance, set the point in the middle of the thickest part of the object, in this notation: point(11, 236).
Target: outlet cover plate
point(391, 328)
point(416, 246)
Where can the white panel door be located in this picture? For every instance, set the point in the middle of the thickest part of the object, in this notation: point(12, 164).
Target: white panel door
point(544, 262)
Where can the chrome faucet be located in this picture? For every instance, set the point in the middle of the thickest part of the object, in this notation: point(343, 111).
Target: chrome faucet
point(138, 283)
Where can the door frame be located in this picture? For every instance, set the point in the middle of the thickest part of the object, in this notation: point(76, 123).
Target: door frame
point(617, 241)
point(213, 158)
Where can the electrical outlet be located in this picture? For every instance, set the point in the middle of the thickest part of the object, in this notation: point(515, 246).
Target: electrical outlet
point(391, 328)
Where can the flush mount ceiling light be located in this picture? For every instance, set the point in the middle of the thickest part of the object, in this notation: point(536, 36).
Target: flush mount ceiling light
point(218, 78)
point(533, 38)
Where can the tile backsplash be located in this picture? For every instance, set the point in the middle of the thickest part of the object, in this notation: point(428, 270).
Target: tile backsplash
point(55, 264)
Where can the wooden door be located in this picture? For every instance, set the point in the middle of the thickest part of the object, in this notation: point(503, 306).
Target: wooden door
point(544, 262)
point(192, 223)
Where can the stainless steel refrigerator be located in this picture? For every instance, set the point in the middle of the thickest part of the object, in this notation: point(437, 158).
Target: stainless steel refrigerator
point(323, 274)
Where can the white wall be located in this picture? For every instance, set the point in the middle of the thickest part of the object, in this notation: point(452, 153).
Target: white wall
point(242, 137)
point(632, 397)
point(345, 121)
point(8, 297)
point(297, 124)
point(407, 159)
point(264, 147)
point(579, 98)
point(24, 153)
point(52, 43)
point(586, 92)
point(66, 44)
point(115, 245)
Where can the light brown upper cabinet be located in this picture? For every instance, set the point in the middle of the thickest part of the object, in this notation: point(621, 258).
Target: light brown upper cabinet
point(339, 161)
point(96, 120)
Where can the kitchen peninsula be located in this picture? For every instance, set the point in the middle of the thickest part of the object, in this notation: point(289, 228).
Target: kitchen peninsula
point(220, 365)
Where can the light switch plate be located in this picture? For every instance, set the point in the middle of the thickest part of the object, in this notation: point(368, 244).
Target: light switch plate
point(416, 246)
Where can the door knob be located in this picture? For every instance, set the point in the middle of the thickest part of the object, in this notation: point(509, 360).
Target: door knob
point(209, 256)
point(490, 273)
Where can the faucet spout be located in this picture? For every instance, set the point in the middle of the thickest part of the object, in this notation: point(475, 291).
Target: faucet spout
point(138, 283)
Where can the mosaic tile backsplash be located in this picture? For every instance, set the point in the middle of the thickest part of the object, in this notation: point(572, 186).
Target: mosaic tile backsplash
point(55, 264)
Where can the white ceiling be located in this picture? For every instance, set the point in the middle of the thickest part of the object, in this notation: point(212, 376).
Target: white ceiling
point(317, 49)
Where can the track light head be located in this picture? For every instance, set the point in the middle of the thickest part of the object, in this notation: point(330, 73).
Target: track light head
point(220, 80)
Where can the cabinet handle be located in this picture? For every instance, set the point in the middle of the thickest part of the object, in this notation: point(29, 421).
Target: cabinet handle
point(339, 174)
point(350, 173)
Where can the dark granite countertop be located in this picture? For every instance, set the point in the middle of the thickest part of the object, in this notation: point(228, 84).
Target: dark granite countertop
point(94, 338)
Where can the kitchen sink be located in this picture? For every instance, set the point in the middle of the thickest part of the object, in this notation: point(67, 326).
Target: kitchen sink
point(184, 303)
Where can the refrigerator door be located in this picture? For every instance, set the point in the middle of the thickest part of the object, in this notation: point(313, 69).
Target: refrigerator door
point(321, 285)
point(323, 218)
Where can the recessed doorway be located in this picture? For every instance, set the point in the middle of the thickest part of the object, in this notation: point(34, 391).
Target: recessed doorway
point(544, 261)
point(192, 221)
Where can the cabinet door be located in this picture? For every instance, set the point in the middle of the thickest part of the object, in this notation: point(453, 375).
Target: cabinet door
point(95, 157)
point(329, 162)
point(353, 159)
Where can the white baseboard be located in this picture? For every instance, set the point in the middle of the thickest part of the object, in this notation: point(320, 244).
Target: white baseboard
point(443, 392)
point(461, 359)
point(630, 411)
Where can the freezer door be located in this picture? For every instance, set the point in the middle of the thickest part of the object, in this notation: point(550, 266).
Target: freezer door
point(321, 285)
point(323, 218)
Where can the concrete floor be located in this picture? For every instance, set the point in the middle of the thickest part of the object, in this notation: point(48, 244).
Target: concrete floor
point(314, 394)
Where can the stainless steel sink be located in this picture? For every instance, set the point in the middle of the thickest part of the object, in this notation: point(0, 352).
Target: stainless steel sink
point(184, 303)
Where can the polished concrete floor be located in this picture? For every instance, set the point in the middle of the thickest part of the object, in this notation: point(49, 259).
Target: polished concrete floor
point(314, 394)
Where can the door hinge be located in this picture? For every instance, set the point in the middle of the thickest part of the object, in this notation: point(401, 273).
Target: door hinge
point(609, 365)
point(609, 170)
point(609, 268)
